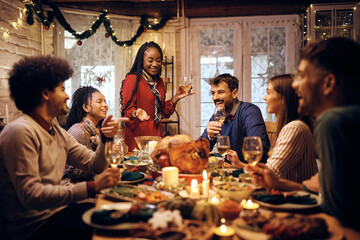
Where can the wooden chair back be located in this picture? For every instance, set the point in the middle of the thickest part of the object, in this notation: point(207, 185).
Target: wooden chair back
point(271, 128)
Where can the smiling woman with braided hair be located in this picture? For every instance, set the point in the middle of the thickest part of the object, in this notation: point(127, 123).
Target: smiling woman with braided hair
point(88, 110)
point(142, 96)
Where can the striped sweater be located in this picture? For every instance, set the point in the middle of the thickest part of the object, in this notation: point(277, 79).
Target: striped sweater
point(293, 156)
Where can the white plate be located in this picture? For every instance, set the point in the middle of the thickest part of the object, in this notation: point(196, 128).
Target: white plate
point(86, 217)
point(184, 194)
point(137, 180)
point(291, 206)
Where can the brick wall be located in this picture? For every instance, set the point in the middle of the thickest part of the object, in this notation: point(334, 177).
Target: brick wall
point(26, 40)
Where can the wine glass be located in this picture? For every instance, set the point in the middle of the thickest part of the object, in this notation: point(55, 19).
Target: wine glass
point(186, 85)
point(114, 153)
point(252, 150)
point(220, 114)
point(223, 145)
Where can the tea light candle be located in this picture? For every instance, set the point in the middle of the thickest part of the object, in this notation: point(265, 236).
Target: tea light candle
point(195, 193)
point(215, 200)
point(151, 146)
point(205, 185)
point(249, 205)
point(7, 113)
point(170, 176)
point(223, 230)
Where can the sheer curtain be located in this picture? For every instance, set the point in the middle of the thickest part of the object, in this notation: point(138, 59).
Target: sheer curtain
point(251, 48)
point(98, 61)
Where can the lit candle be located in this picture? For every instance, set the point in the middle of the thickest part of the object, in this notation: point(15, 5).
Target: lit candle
point(249, 205)
point(223, 230)
point(151, 146)
point(194, 189)
point(215, 200)
point(7, 114)
point(205, 185)
point(170, 176)
point(163, 46)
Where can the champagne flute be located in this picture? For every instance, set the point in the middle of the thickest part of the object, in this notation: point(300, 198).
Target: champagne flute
point(114, 153)
point(223, 146)
point(220, 114)
point(252, 150)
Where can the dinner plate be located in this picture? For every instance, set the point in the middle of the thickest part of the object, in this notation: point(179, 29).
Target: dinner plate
point(136, 180)
point(86, 217)
point(290, 206)
point(184, 194)
point(107, 193)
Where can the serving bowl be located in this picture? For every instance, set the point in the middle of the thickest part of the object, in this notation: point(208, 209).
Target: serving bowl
point(142, 165)
point(235, 190)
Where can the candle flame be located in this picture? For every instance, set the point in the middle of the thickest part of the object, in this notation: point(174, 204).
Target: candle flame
point(223, 228)
point(249, 203)
point(205, 176)
point(194, 183)
point(215, 200)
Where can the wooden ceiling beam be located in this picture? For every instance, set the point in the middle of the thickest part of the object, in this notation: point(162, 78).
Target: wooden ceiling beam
point(193, 8)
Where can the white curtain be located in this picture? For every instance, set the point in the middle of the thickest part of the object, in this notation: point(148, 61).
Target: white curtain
point(98, 62)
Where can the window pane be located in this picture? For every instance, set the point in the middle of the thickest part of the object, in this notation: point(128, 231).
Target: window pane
point(268, 58)
point(323, 18)
point(216, 57)
point(205, 91)
point(207, 109)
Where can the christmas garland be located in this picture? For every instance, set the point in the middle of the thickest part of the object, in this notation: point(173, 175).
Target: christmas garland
point(103, 18)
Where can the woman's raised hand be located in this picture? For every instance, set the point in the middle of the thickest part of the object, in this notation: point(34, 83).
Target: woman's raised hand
point(141, 114)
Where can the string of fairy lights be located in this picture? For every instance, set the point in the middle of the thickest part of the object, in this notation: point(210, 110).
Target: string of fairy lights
point(46, 19)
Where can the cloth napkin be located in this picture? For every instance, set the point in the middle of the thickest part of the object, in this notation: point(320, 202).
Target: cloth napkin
point(107, 217)
point(280, 199)
point(130, 158)
point(130, 176)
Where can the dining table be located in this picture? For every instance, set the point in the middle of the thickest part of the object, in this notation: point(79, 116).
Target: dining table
point(337, 231)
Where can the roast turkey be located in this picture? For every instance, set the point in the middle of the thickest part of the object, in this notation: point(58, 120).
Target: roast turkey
point(190, 156)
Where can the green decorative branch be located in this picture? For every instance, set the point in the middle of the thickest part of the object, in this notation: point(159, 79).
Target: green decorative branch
point(36, 6)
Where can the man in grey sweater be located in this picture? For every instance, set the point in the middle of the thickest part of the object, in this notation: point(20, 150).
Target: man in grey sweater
point(34, 150)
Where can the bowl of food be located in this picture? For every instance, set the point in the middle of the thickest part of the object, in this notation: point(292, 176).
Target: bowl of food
point(229, 209)
point(245, 177)
point(235, 190)
point(141, 165)
point(224, 179)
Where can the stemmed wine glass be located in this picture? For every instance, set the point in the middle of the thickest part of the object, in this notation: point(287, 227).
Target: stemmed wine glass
point(220, 114)
point(252, 150)
point(223, 145)
point(114, 153)
point(186, 85)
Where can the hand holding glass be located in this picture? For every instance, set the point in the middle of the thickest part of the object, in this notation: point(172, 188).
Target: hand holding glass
point(114, 153)
point(252, 149)
point(223, 144)
point(186, 84)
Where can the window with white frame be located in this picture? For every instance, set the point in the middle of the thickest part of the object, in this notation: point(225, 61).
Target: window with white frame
point(251, 48)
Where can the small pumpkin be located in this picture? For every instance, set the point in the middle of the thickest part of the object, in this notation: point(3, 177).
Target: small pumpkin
point(205, 211)
point(184, 205)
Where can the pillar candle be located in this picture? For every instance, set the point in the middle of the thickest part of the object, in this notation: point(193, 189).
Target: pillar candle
point(205, 185)
point(170, 176)
point(195, 193)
